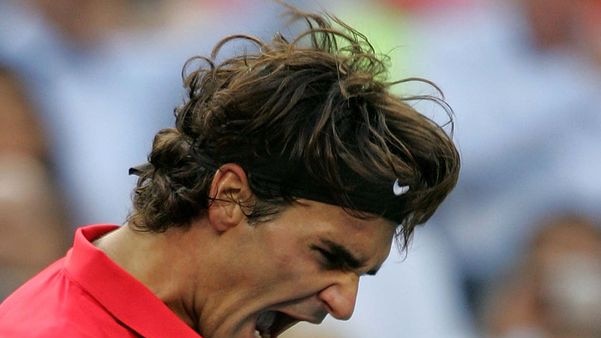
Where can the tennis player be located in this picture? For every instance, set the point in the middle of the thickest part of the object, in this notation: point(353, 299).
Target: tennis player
point(289, 173)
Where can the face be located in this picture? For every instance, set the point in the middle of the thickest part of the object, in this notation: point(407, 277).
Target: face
point(568, 259)
point(300, 266)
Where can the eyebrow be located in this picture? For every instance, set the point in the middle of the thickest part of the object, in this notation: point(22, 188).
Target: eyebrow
point(347, 258)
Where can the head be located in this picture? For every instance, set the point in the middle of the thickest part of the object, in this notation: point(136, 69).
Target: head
point(308, 118)
point(563, 24)
point(20, 132)
point(566, 263)
point(556, 287)
point(304, 138)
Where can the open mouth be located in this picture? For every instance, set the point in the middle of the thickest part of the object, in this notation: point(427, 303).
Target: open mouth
point(271, 324)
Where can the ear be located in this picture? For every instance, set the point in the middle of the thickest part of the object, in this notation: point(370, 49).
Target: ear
point(229, 189)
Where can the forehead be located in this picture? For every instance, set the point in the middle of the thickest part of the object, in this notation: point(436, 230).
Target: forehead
point(338, 216)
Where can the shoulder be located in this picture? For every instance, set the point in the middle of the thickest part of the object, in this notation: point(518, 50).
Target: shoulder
point(53, 305)
point(66, 329)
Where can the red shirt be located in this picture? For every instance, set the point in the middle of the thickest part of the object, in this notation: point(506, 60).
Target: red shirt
point(85, 295)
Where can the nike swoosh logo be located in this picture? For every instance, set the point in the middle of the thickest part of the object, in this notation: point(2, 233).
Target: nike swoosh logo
point(397, 189)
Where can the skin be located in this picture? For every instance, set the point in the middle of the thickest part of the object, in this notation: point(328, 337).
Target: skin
point(523, 302)
point(220, 273)
point(33, 226)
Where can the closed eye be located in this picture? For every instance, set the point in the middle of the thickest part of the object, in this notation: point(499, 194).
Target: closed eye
point(336, 257)
point(329, 259)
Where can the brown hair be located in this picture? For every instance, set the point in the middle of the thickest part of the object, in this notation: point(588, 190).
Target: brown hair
point(319, 105)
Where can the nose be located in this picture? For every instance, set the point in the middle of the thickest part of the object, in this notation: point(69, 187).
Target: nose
point(340, 297)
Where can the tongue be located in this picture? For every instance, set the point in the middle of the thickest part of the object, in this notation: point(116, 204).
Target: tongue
point(265, 321)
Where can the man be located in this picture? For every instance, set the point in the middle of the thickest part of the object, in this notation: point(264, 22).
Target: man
point(30, 238)
point(554, 289)
point(286, 178)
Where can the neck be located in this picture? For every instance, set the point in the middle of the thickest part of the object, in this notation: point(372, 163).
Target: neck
point(166, 263)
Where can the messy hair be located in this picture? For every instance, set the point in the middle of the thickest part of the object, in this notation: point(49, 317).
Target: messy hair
point(320, 103)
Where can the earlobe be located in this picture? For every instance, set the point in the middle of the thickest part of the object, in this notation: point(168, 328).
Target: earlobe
point(229, 192)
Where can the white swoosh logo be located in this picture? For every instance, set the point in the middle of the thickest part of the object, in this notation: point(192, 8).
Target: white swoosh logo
point(397, 189)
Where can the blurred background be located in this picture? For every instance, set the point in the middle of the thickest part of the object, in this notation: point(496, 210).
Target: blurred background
point(515, 252)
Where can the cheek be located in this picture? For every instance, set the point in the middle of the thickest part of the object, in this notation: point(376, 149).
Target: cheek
point(283, 264)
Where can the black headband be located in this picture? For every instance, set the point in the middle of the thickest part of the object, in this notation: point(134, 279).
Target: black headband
point(277, 177)
point(383, 198)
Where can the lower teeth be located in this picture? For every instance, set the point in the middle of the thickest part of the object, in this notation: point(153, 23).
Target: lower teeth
point(259, 335)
